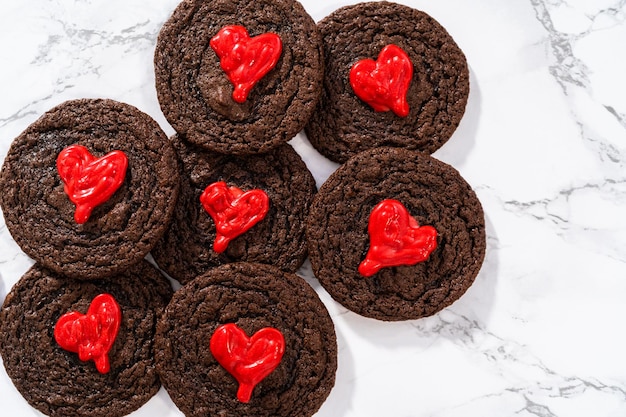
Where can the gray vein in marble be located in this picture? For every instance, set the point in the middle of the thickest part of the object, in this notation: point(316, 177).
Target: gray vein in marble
point(128, 36)
point(21, 113)
point(550, 209)
point(81, 39)
point(149, 35)
point(616, 12)
point(44, 56)
point(569, 71)
point(25, 112)
point(536, 409)
point(621, 118)
point(509, 359)
point(605, 151)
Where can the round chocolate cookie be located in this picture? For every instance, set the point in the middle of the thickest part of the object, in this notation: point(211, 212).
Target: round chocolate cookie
point(54, 380)
point(418, 112)
point(270, 50)
point(76, 204)
point(251, 297)
point(383, 261)
point(188, 247)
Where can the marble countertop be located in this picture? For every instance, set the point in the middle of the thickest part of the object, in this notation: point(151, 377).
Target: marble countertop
point(543, 143)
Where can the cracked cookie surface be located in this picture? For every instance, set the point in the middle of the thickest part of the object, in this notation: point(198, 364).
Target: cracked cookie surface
point(56, 381)
point(186, 249)
point(252, 296)
point(343, 125)
point(434, 194)
point(120, 231)
point(195, 94)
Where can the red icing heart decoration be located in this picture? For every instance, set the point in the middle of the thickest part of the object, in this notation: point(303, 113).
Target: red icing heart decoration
point(396, 238)
point(383, 83)
point(90, 181)
point(248, 359)
point(245, 60)
point(233, 211)
point(91, 335)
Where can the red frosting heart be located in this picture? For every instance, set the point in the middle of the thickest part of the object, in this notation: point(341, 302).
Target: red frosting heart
point(245, 60)
point(383, 83)
point(248, 359)
point(91, 335)
point(90, 181)
point(233, 211)
point(396, 238)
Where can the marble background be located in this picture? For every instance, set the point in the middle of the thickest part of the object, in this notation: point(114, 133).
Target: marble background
point(543, 142)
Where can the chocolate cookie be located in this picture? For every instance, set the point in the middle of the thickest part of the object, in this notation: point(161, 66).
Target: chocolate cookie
point(396, 234)
point(191, 245)
point(43, 306)
point(238, 76)
point(217, 356)
point(89, 188)
point(413, 96)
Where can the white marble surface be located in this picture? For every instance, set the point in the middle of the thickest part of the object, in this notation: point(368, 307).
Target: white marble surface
point(543, 142)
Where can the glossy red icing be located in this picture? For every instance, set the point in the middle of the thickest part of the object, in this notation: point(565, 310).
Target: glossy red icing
point(396, 238)
point(91, 335)
point(383, 83)
point(233, 211)
point(248, 359)
point(90, 181)
point(245, 60)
